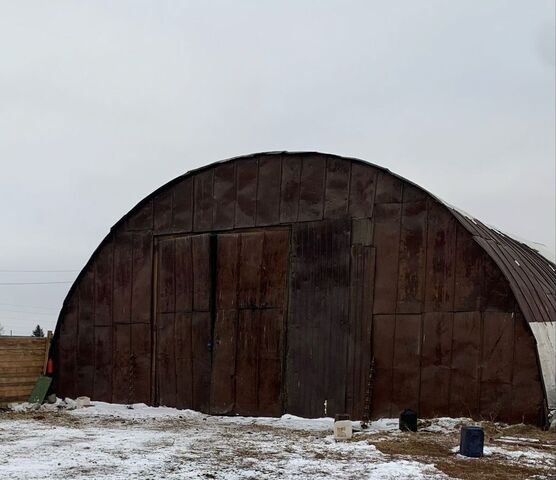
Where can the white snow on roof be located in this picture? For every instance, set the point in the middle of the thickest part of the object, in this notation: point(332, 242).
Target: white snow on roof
point(540, 248)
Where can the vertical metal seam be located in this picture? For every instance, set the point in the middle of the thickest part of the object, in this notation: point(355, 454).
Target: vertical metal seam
point(154, 323)
point(513, 365)
point(93, 393)
point(349, 190)
point(349, 329)
point(174, 336)
point(255, 219)
point(301, 161)
point(481, 353)
point(281, 159)
point(239, 243)
point(213, 269)
point(453, 315)
point(233, 223)
point(284, 334)
point(323, 190)
point(422, 313)
point(112, 324)
point(396, 301)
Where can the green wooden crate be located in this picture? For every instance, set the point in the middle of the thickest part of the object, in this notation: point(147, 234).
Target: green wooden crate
point(40, 390)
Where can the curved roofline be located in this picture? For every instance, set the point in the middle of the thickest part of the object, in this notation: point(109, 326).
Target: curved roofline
point(195, 171)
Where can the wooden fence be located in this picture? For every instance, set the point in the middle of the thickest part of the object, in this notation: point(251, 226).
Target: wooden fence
point(22, 361)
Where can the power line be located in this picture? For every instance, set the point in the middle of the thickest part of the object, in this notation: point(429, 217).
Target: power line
point(28, 306)
point(20, 320)
point(33, 283)
point(25, 312)
point(38, 271)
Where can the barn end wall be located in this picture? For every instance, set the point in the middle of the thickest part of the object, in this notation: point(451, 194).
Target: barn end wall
point(373, 260)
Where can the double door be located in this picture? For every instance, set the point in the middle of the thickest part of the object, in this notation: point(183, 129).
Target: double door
point(219, 324)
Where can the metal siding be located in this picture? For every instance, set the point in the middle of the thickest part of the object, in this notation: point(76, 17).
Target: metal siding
point(360, 327)
point(141, 295)
point(440, 271)
point(386, 242)
point(223, 375)
point(467, 294)
point(67, 350)
point(122, 278)
point(496, 293)
point(362, 191)
point(466, 357)
point(201, 260)
point(103, 286)
point(183, 274)
point(270, 365)
point(246, 202)
point(412, 258)
point(497, 364)
point(527, 394)
point(182, 206)
point(224, 196)
point(201, 360)
point(166, 359)
point(162, 205)
point(184, 359)
point(203, 201)
point(289, 190)
point(430, 265)
point(274, 269)
point(405, 371)
point(311, 189)
point(436, 363)
point(165, 300)
point(121, 364)
point(86, 335)
point(251, 295)
point(383, 351)
point(140, 372)
point(529, 274)
point(247, 362)
point(141, 218)
point(268, 191)
point(388, 188)
point(103, 364)
point(318, 318)
point(250, 263)
point(336, 197)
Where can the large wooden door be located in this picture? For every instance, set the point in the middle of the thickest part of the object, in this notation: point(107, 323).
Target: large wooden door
point(183, 322)
point(251, 298)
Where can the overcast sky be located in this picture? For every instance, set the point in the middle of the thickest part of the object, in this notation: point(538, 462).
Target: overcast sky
point(102, 102)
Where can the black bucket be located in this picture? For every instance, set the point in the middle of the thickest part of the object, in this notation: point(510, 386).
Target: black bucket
point(471, 441)
point(408, 421)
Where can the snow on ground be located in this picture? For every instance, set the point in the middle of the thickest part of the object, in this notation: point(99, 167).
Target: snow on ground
point(117, 442)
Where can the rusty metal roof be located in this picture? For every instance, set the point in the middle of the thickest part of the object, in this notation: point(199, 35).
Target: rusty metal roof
point(532, 277)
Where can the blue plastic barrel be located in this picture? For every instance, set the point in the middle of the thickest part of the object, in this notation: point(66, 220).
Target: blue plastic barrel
point(471, 441)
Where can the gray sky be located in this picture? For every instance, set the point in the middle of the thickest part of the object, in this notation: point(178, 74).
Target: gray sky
point(102, 102)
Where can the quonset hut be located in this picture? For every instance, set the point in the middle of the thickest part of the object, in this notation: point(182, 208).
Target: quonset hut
point(267, 283)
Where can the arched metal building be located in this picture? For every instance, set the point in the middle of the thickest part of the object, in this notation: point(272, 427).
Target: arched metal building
point(265, 284)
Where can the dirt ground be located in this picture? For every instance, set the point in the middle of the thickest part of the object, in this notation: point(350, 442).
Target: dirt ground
point(112, 441)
